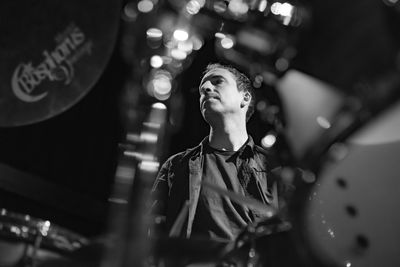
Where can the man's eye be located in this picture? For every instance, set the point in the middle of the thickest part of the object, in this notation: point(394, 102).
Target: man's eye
point(217, 81)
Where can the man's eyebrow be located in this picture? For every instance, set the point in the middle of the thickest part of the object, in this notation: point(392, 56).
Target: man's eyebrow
point(210, 77)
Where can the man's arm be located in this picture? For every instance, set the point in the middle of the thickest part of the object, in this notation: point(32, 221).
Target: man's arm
point(159, 195)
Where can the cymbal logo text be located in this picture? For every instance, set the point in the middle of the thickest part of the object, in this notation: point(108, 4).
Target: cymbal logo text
point(57, 65)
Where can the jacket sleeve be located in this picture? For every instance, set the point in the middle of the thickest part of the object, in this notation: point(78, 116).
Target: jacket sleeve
point(159, 192)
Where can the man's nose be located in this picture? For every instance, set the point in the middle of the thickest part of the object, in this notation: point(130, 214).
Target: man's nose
point(208, 87)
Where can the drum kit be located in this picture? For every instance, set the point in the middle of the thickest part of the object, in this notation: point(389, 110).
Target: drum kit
point(342, 213)
point(29, 241)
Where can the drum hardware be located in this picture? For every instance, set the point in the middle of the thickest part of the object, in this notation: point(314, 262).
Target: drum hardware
point(41, 239)
point(250, 248)
point(42, 231)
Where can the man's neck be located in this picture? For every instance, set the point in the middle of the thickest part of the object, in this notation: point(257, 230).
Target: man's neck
point(228, 136)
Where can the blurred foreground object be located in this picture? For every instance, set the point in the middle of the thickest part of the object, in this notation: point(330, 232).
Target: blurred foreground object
point(51, 60)
point(130, 201)
point(28, 241)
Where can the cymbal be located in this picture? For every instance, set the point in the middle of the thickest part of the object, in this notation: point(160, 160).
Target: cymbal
point(52, 52)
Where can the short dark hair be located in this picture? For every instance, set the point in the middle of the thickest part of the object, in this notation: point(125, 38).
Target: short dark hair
point(242, 81)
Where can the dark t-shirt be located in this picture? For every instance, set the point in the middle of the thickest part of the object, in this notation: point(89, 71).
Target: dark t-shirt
point(217, 216)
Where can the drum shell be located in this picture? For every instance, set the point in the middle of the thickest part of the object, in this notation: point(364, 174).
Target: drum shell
point(348, 216)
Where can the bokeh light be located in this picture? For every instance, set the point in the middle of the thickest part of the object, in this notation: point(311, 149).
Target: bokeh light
point(154, 33)
point(178, 54)
point(268, 141)
point(156, 61)
point(181, 35)
point(145, 6)
point(227, 42)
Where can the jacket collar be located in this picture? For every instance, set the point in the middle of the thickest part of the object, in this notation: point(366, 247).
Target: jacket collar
point(246, 151)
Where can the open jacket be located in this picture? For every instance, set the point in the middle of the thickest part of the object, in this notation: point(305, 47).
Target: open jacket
point(179, 180)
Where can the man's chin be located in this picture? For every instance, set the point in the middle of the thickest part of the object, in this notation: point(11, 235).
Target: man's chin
point(209, 114)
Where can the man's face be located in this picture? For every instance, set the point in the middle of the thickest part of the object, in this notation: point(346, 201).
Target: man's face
point(219, 94)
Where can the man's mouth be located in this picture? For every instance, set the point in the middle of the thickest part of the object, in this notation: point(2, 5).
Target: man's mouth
point(209, 98)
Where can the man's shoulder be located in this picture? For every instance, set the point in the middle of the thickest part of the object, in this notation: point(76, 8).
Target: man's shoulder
point(266, 156)
point(184, 156)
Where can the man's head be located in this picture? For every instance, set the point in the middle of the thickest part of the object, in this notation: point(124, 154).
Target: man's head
point(223, 89)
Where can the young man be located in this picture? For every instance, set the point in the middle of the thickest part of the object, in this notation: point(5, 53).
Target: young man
point(227, 158)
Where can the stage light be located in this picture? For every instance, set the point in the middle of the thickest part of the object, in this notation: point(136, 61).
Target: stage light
point(145, 6)
point(219, 35)
point(282, 9)
point(44, 227)
point(275, 8)
point(149, 166)
point(186, 47)
point(159, 105)
point(178, 54)
point(268, 141)
point(159, 86)
point(156, 61)
point(286, 10)
point(238, 7)
point(262, 5)
point(154, 33)
point(227, 42)
point(148, 137)
point(181, 35)
point(162, 97)
point(162, 86)
point(193, 7)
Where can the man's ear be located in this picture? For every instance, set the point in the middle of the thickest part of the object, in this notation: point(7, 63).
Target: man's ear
point(246, 99)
